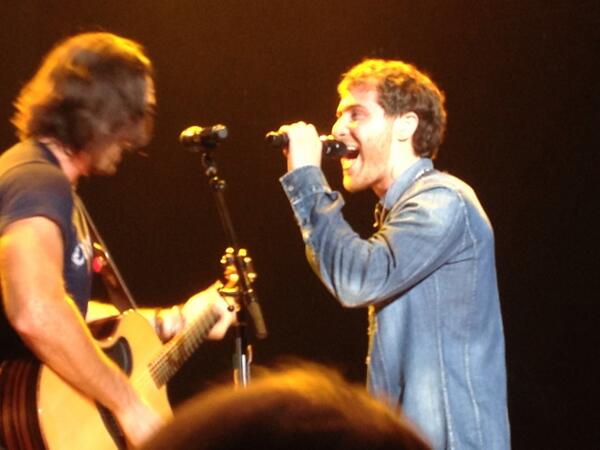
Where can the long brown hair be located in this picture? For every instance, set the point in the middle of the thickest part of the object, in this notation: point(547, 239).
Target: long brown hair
point(87, 88)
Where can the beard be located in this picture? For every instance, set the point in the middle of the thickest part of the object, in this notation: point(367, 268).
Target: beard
point(372, 165)
point(105, 159)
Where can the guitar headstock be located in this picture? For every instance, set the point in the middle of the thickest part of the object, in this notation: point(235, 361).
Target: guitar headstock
point(233, 264)
point(240, 275)
point(236, 264)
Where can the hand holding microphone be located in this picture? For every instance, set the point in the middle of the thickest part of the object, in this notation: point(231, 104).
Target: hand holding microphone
point(330, 147)
point(304, 146)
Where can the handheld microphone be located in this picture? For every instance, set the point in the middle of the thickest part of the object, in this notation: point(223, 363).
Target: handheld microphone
point(207, 137)
point(331, 147)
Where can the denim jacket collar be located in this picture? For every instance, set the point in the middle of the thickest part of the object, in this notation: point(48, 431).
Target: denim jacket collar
point(404, 181)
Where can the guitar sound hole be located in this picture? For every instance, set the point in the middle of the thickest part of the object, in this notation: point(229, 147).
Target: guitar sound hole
point(120, 353)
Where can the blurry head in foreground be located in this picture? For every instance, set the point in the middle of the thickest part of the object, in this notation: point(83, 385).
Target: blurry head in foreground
point(307, 407)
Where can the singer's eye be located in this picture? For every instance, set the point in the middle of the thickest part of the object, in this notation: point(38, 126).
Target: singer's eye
point(356, 114)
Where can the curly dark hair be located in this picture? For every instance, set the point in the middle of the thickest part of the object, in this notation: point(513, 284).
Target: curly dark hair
point(89, 87)
point(402, 88)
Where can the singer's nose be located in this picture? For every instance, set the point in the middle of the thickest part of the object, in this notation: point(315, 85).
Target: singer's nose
point(339, 128)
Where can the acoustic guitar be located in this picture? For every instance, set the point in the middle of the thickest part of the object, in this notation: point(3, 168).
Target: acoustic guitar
point(38, 410)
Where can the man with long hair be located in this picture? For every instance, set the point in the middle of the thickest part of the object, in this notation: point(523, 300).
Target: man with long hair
point(91, 101)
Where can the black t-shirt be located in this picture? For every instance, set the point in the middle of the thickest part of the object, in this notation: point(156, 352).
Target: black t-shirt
point(32, 184)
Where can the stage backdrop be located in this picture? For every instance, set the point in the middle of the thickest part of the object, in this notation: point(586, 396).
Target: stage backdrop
point(523, 104)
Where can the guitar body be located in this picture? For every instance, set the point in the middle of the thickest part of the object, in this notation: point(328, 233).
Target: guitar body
point(41, 411)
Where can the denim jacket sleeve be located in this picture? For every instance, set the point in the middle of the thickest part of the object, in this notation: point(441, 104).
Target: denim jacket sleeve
point(421, 232)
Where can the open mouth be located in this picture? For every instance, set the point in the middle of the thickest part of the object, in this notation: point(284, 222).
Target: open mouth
point(351, 152)
point(349, 158)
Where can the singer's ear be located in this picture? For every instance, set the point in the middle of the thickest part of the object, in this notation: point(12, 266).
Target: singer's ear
point(404, 126)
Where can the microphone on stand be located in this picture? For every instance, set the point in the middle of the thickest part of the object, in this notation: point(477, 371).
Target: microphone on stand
point(207, 137)
point(331, 148)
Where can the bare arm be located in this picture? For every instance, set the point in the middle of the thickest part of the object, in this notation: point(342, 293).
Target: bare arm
point(171, 320)
point(48, 321)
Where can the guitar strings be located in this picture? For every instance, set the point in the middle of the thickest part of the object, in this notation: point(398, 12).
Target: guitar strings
point(175, 352)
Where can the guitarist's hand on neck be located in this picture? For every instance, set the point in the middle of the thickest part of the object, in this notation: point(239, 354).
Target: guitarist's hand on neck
point(211, 298)
point(170, 321)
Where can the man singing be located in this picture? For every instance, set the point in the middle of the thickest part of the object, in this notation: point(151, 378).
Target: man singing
point(427, 274)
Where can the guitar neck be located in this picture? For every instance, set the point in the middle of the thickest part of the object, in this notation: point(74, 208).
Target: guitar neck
point(180, 348)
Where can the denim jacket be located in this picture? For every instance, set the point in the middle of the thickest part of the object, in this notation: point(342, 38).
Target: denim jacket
point(428, 276)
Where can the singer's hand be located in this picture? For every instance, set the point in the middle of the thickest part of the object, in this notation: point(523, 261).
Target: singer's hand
point(305, 148)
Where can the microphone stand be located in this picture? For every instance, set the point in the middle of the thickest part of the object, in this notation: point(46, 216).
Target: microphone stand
point(247, 305)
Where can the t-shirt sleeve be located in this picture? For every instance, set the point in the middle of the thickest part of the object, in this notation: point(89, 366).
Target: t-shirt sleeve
point(35, 189)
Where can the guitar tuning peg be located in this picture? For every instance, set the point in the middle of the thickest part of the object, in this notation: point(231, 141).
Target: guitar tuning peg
point(228, 257)
point(250, 268)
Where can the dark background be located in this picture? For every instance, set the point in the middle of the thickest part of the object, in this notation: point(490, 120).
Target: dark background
point(523, 103)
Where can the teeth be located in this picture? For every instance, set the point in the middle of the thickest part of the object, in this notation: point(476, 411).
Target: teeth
point(352, 152)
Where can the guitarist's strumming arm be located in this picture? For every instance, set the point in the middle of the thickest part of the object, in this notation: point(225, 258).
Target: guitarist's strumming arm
point(48, 321)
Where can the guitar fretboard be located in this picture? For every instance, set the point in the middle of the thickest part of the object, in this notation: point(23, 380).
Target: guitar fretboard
point(181, 347)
